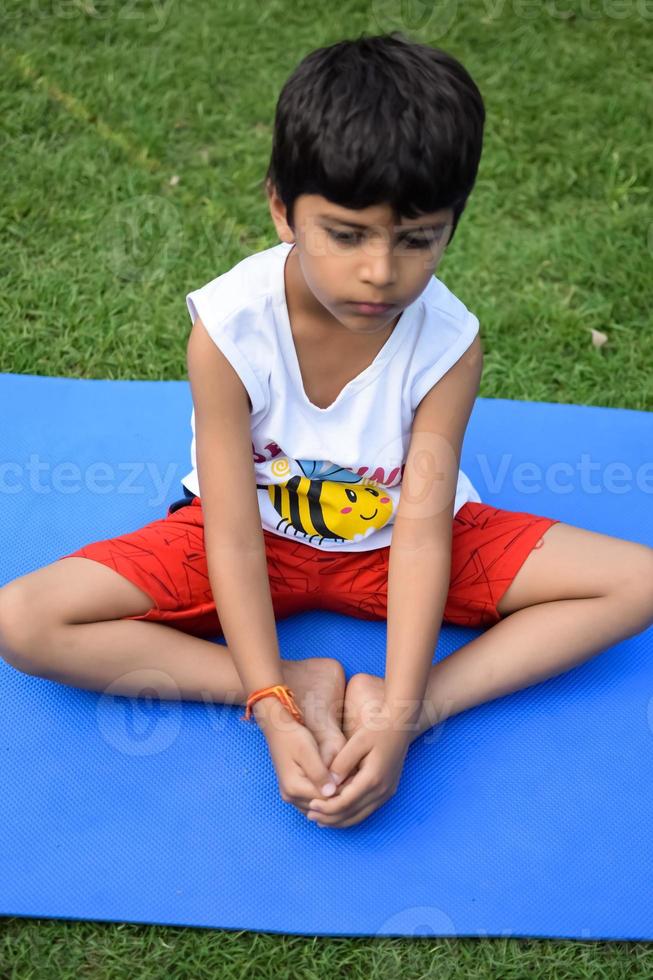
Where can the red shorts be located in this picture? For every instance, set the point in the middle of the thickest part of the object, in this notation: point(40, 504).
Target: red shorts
point(166, 559)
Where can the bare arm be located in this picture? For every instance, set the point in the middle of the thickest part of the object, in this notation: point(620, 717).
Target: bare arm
point(236, 559)
point(233, 536)
point(418, 582)
point(420, 551)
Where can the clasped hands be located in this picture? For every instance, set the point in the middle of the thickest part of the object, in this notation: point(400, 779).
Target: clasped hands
point(367, 766)
point(379, 756)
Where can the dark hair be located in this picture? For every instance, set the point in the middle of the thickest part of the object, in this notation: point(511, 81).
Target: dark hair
point(378, 119)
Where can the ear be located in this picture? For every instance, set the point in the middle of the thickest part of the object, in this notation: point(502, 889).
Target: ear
point(278, 213)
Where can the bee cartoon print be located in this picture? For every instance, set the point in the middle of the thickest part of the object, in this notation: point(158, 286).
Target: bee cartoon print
point(327, 502)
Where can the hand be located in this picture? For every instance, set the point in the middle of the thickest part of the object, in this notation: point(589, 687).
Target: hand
point(381, 756)
point(300, 770)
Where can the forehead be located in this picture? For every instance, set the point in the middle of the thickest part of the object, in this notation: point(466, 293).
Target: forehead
point(318, 208)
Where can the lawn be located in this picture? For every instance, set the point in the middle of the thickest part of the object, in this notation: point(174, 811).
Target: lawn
point(136, 137)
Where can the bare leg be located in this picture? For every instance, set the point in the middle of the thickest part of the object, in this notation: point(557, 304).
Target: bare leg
point(526, 647)
point(135, 658)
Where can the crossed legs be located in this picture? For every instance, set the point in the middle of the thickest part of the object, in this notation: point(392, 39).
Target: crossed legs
point(577, 594)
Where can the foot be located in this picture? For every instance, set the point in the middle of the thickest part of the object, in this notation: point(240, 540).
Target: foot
point(364, 696)
point(318, 684)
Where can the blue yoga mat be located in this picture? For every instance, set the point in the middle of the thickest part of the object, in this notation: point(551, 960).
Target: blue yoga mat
point(530, 815)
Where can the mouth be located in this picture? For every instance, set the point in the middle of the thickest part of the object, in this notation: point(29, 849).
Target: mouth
point(372, 309)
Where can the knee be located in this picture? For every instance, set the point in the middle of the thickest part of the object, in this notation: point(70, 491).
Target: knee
point(636, 582)
point(19, 627)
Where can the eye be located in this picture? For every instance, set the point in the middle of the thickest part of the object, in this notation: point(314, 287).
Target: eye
point(353, 237)
point(345, 237)
point(422, 242)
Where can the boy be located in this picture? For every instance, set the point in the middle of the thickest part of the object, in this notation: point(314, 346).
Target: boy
point(327, 435)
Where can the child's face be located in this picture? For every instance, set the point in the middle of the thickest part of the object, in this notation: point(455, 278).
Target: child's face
point(382, 262)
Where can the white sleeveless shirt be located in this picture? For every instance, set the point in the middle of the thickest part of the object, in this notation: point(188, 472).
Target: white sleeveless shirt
point(328, 477)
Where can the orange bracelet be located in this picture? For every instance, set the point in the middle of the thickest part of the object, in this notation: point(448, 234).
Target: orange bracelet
point(285, 695)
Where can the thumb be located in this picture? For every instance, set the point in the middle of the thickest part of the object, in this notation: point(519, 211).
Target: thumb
point(346, 760)
point(330, 747)
point(319, 774)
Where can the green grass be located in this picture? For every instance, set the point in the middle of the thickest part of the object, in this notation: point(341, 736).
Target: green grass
point(136, 138)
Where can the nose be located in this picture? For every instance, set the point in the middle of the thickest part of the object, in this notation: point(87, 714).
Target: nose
point(379, 268)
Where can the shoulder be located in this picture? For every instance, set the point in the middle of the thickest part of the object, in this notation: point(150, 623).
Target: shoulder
point(246, 287)
point(233, 309)
point(443, 307)
point(448, 332)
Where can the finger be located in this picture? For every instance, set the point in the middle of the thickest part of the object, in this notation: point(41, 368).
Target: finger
point(330, 749)
point(320, 799)
point(363, 807)
point(304, 790)
point(301, 793)
point(311, 791)
point(357, 818)
point(358, 751)
point(366, 805)
point(318, 773)
point(352, 815)
point(348, 757)
point(349, 799)
point(304, 802)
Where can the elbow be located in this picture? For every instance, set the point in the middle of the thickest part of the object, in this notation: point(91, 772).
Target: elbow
point(423, 536)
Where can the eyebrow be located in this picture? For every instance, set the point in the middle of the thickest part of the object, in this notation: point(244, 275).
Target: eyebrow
point(404, 228)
